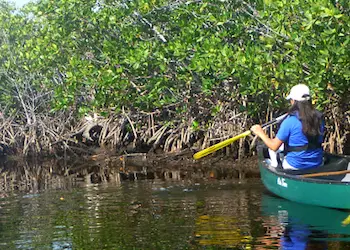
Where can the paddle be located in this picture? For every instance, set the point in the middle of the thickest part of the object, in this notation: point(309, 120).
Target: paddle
point(325, 173)
point(346, 221)
point(227, 142)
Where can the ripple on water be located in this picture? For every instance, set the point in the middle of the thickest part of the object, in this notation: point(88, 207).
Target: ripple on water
point(165, 215)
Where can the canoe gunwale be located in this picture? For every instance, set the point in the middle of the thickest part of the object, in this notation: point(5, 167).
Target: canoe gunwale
point(299, 177)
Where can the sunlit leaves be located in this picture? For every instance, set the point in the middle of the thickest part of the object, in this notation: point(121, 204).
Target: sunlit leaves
point(101, 54)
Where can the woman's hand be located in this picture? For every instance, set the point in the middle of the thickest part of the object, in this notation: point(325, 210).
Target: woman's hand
point(273, 144)
point(257, 130)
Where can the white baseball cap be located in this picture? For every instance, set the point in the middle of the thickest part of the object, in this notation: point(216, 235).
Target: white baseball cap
point(299, 92)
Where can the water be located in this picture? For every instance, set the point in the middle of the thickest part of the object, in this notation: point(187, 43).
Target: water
point(158, 214)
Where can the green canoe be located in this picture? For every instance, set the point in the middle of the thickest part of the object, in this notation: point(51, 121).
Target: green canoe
point(327, 191)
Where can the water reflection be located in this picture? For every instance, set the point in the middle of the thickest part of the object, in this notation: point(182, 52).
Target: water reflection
point(166, 214)
point(35, 175)
point(291, 225)
point(131, 215)
point(220, 231)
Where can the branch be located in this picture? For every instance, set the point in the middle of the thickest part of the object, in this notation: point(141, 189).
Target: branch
point(153, 28)
point(131, 124)
point(254, 16)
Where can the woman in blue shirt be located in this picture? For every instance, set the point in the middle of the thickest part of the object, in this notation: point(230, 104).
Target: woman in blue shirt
point(301, 132)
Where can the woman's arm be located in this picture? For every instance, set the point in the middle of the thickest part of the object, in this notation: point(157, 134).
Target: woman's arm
point(273, 144)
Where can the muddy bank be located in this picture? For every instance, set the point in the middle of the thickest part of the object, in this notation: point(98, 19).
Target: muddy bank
point(39, 174)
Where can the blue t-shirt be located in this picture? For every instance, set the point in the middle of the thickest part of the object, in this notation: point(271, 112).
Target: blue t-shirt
point(291, 132)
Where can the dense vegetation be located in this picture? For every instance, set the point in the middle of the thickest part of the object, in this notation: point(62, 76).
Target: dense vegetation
point(169, 74)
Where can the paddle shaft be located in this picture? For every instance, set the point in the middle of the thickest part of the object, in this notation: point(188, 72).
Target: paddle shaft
point(325, 174)
point(229, 141)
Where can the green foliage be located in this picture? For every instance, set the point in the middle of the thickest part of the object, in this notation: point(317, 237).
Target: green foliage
point(98, 55)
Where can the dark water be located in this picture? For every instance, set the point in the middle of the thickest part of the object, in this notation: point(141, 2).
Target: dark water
point(156, 214)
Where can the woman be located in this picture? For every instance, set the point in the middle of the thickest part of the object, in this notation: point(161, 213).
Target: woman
point(301, 132)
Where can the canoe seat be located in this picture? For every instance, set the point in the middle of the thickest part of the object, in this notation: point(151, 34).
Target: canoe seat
point(331, 164)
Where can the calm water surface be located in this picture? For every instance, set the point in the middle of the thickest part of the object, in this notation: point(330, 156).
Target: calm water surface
point(156, 214)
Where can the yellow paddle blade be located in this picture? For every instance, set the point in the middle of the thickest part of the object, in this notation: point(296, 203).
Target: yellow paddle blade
point(219, 145)
point(346, 221)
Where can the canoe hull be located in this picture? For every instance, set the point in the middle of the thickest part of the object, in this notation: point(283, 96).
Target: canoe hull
point(305, 190)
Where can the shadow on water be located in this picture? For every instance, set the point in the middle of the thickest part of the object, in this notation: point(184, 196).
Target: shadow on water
point(290, 225)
